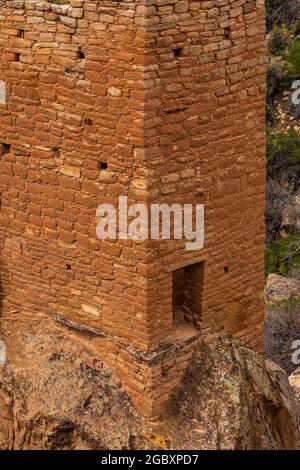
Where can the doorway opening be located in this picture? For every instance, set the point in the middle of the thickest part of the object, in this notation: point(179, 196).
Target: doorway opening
point(188, 293)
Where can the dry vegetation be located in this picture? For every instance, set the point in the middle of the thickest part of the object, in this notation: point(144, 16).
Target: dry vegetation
point(282, 326)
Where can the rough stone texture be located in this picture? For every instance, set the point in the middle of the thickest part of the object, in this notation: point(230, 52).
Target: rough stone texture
point(294, 380)
point(170, 96)
point(279, 288)
point(61, 396)
point(231, 398)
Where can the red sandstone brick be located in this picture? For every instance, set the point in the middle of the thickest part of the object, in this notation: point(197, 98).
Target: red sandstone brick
point(165, 121)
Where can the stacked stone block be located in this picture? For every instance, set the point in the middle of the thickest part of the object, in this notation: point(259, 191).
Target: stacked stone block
point(158, 100)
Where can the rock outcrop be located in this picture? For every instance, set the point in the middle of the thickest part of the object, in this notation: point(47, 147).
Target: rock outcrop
point(294, 380)
point(58, 396)
point(232, 398)
point(279, 288)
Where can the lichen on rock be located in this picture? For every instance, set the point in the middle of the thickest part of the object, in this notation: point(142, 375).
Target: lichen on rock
point(61, 397)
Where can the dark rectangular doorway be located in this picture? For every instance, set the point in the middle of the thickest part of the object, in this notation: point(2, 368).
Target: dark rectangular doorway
point(187, 294)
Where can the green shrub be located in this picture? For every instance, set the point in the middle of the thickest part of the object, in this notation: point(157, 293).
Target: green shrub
point(274, 77)
point(278, 41)
point(292, 58)
point(283, 255)
point(283, 156)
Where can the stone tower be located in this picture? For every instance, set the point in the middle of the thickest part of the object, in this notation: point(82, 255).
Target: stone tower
point(161, 101)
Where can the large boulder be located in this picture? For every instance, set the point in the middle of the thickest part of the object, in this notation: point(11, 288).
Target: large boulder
point(279, 288)
point(294, 380)
point(232, 398)
point(63, 398)
point(58, 396)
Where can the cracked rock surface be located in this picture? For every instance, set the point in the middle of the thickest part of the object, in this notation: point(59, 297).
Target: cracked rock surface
point(57, 395)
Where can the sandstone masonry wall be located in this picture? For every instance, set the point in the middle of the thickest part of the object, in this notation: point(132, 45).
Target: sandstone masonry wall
point(159, 100)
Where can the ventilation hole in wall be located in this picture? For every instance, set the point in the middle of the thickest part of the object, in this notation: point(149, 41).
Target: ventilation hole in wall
point(226, 269)
point(88, 121)
point(68, 267)
point(178, 52)
point(17, 57)
point(227, 33)
point(175, 110)
point(80, 54)
point(56, 151)
point(4, 148)
point(102, 165)
point(20, 33)
point(200, 194)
